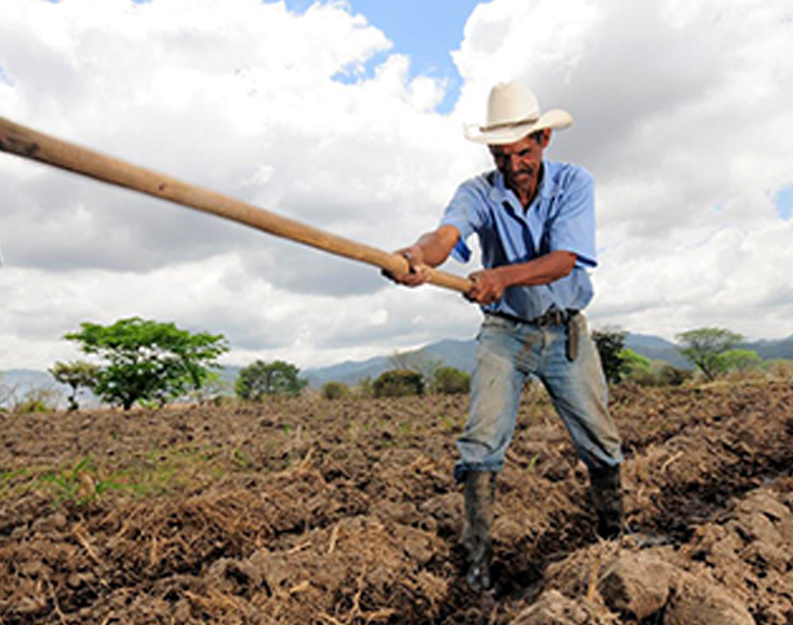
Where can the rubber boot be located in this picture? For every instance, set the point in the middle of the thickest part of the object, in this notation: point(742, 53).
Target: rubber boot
point(607, 499)
point(480, 490)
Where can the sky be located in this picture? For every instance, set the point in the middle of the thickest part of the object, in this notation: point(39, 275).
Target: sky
point(348, 116)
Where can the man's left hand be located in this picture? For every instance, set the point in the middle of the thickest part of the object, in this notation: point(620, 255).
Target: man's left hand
point(488, 287)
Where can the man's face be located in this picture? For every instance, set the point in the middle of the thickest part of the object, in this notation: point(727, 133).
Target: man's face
point(519, 162)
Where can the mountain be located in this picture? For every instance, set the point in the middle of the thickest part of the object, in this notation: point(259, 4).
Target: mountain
point(462, 354)
point(656, 348)
point(768, 350)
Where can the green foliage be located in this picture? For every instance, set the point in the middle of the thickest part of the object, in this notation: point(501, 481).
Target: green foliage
point(148, 361)
point(635, 363)
point(335, 390)
point(740, 360)
point(451, 381)
point(705, 348)
point(76, 375)
point(399, 383)
point(260, 379)
point(610, 343)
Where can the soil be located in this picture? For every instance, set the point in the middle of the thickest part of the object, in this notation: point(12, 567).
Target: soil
point(307, 511)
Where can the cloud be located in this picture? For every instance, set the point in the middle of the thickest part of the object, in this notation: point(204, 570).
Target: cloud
point(682, 114)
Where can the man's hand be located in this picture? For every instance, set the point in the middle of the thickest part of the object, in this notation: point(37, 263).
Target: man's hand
point(419, 270)
point(488, 287)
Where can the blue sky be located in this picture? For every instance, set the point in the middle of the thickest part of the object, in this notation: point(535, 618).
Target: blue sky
point(784, 202)
point(425, 31)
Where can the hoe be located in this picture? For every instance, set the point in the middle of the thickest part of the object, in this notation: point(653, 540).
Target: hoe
point(30, 144)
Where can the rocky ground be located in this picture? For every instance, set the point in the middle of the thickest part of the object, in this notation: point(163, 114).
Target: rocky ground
point(341, 512)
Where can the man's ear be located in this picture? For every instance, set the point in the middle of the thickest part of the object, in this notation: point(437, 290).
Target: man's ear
point(546, 137)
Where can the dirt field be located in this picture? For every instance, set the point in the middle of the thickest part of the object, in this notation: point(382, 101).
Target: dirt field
point(309, 511)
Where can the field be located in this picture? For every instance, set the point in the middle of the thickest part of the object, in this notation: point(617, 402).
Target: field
point(310, 511)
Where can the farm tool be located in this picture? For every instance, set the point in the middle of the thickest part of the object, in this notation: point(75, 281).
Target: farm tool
point(31, 144)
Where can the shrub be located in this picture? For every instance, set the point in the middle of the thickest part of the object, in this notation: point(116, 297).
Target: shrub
point(451, 381)
point(335, 390)
point(398, 383)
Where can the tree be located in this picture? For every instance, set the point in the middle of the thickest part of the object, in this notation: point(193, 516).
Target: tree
point(451, 381)
point(398, 383)
point(260, 379)
point(147, 360)
point(76, 375)
point(705, 348)
point(610, 343)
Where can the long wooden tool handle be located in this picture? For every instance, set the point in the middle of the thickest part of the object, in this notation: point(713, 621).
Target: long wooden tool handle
point(28, 143)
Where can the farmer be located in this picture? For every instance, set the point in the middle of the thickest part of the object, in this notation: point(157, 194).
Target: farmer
point(535, 221)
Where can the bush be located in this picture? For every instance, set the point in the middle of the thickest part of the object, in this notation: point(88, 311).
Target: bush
point(399, 383)
point(659, 373)
point(668, 375)
point(335, 390)
point(451, 381)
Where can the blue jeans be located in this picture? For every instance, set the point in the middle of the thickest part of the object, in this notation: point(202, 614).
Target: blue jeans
point(507, 353)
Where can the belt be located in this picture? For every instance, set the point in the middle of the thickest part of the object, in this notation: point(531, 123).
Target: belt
point(552, 317)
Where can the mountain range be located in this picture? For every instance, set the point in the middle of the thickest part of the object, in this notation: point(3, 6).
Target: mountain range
point(461, 355)
point(449, 352)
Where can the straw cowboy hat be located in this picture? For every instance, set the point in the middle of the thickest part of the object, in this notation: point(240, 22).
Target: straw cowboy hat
point(513, 113)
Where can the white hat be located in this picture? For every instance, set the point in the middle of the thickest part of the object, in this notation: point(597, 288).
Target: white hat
point(513, 113)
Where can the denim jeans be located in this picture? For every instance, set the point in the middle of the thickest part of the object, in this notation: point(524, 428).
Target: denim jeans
point(507, 353)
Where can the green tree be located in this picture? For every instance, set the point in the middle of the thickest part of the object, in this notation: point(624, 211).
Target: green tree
point(76, 375)
point(451, 381)
point(399, 383)
point(260, 379)
point(610, 343)
point(705, 348)
point(148, 360)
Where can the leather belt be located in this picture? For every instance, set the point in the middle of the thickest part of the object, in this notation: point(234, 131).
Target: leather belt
point(552, 317)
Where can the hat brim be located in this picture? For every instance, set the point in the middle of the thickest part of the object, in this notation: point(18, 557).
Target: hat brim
point(556, 119)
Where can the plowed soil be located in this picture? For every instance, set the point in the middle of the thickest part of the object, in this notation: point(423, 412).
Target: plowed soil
point(337, 512)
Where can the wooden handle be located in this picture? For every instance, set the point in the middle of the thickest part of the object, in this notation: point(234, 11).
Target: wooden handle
point(28, 143)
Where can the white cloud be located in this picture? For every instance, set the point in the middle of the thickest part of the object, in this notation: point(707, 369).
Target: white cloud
point(682, 113)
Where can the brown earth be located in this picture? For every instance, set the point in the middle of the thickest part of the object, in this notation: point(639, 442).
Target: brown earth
point(309, 511)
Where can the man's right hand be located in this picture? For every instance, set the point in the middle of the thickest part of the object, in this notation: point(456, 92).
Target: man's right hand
point(419, 270)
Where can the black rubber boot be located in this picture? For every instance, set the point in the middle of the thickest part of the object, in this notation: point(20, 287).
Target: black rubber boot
point(607, 499)
point(480, 491)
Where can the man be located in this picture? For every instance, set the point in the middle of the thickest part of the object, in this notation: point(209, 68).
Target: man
point(535, 220)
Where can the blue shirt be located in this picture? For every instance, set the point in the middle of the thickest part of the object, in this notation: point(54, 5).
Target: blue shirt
point(561, 217)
